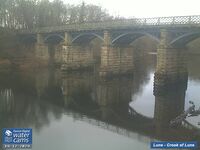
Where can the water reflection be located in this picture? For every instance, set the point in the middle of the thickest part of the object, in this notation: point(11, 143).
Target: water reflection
point(48, 97)
point(169, 103)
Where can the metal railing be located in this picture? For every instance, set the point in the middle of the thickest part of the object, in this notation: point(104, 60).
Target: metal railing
point(121, 23)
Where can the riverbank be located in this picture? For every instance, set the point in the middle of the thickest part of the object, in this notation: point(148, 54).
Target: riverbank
point(14, 54)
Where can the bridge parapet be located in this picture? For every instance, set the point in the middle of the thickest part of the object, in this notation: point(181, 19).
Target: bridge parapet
point(120, 23)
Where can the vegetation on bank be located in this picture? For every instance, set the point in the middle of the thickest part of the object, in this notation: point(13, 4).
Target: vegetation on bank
point(8, 41)
point(39, 13)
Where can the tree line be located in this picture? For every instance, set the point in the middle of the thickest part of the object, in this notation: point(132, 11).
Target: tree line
point(28, 14)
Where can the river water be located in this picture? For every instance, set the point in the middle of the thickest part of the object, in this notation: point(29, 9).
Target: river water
point(81, 111)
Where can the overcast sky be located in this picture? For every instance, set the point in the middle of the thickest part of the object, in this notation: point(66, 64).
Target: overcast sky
point(146, 8)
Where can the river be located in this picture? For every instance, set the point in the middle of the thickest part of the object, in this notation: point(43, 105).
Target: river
point(82, 111)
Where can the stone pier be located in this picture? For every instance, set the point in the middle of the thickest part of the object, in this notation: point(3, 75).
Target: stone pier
point(169, 102)
point(41, 49)
point(115, 60)
point(171, 61)
point(168, 106)
point(76, 57)
point(58, 53)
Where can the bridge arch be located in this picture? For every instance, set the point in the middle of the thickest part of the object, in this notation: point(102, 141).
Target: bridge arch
point(86, 38)
point(127, 38)
point(53, 38)
point(183, 40)
point(29, 39)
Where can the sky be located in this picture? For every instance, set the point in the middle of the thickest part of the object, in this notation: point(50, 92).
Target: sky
point(146, 8)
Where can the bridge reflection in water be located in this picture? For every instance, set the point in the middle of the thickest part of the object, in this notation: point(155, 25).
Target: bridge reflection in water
point(32, 99)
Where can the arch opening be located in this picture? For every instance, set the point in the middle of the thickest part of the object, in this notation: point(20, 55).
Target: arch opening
point(54, 39)
point(183, 40)
point(128, 38)
point(86, 38)
point(29, 39)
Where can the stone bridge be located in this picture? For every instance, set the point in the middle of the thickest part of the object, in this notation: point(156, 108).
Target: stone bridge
point(117, 57)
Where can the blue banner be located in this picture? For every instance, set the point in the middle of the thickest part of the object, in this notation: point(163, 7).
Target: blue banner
point(160, 145)
point(17, 137)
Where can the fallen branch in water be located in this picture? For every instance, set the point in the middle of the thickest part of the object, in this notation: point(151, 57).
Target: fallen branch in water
point(191, 110)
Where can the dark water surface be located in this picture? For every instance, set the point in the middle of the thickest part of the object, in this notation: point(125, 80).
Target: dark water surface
point(81, 111)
